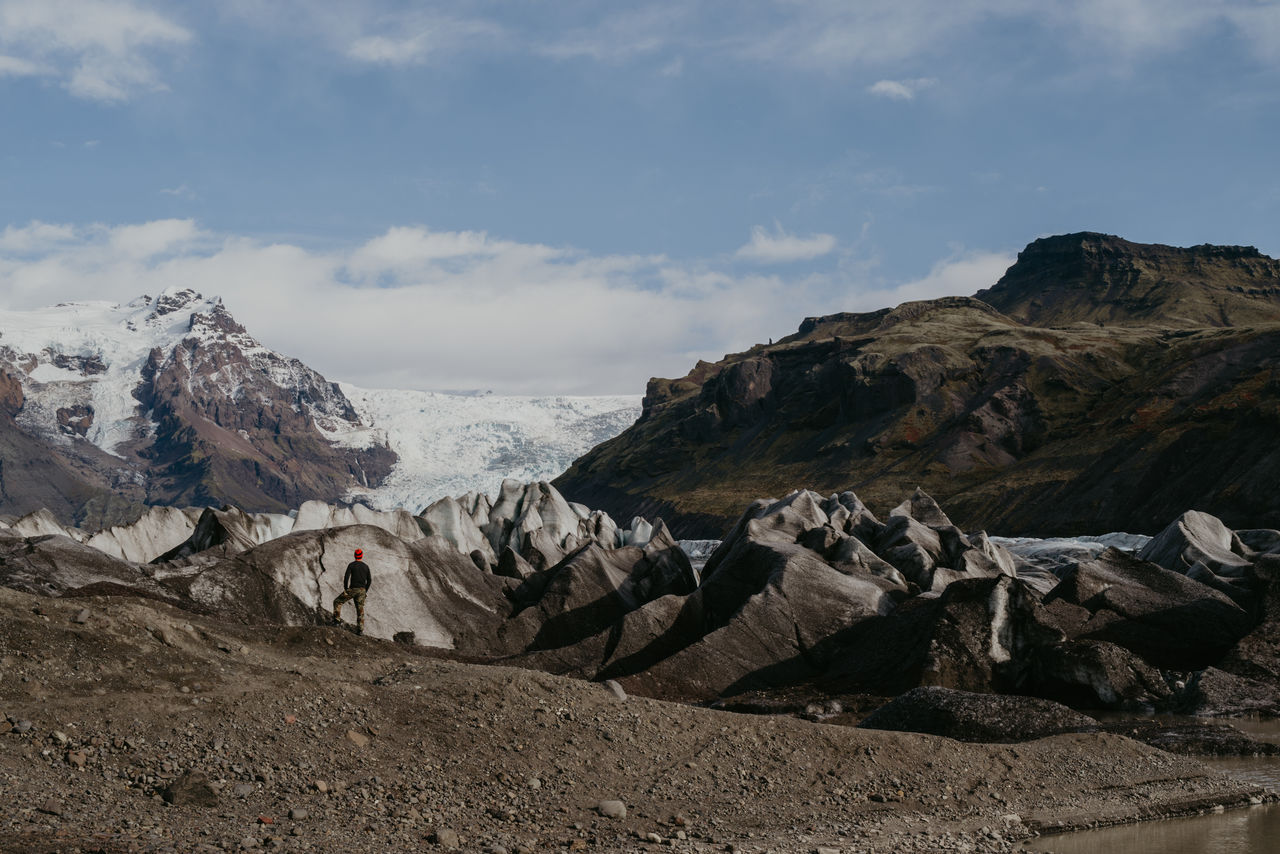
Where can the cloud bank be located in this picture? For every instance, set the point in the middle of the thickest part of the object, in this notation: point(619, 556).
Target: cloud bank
point(419, 308)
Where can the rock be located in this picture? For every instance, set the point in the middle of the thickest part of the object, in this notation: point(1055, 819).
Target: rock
point(167, 635)
point(77, 758)
point(1197, 539)
point(445, 838)
point(1097, 675)
point(299, 814)
point(243, 790)
point(1217, 693)
point(191, 788)
point(612, 809)
point(617, 690)
point(81, 617)
point(1192, 738)
point(23, 727)
point(359, 739)
point(51, 807)
point(511, 565)
point(966, 716)
point(1172, 621)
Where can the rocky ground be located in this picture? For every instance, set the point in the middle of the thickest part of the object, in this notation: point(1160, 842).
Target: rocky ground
point(311, 738)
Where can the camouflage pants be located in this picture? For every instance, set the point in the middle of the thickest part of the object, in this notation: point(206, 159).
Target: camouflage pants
point(356, 593)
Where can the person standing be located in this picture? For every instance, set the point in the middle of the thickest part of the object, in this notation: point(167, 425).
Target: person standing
point(355, 586)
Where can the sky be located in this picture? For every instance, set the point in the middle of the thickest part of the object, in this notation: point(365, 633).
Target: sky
point(570, 197)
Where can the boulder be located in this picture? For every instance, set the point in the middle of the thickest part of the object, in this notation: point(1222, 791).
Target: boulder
point(190, 789)
point(1197, 539)
point(1217, 693)
point(921, 507)
point(1257, 655)
point(1169, 619)
point(1096, 675)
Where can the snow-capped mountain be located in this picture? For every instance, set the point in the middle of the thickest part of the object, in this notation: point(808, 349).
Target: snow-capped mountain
point(168, 400)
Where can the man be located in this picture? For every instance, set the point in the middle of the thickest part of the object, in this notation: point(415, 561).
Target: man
point(355, 585)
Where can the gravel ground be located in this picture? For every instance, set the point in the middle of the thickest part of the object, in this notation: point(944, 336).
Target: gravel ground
point(129, 726)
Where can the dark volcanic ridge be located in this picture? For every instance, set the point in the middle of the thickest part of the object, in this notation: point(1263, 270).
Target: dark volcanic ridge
point(1100, 385)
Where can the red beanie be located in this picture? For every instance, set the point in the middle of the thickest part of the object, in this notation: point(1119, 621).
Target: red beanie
point(359, 554)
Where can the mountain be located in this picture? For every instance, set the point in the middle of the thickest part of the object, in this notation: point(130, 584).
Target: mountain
point(168, 400)
point(1100, 385)
point(1099, 278)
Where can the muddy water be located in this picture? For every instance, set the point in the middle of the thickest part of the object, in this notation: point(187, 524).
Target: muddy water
point(1248, 831)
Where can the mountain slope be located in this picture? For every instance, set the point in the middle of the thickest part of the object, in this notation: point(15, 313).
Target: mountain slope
point(169, 401)
point(1044, 424)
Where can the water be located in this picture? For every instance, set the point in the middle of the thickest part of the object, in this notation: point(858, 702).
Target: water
point(1255, 830)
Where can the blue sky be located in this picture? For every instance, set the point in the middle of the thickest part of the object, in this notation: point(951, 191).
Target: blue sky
point(571, 197)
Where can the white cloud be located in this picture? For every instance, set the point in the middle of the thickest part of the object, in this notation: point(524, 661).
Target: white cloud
point(622, 35)
point(12, 66)
point(416, 308)
point(825, 36)
point(417, 40)
point(182, 191)
point(781, 247)
point(961, 274)
point(901, 90)
point(36, 237)
point(102, 49)
point(153, 238)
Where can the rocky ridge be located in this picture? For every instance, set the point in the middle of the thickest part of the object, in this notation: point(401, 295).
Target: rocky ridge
point(1100, 386)
point(807, 594)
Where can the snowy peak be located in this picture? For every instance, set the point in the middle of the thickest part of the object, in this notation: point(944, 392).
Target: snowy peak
point(169, 400)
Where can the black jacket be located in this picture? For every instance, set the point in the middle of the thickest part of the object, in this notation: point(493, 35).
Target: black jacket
point(357, 575)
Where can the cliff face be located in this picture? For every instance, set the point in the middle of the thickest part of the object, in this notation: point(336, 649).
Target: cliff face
point(1100, 385)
